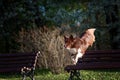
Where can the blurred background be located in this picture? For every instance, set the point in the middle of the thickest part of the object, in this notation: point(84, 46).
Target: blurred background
point(39, 25)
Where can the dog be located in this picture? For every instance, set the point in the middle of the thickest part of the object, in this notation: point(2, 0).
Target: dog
point(78, 45)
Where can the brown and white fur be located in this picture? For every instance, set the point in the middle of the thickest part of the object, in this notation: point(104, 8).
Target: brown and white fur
point(78, 45)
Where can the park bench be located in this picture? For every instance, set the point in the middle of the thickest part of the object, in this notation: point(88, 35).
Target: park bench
point(95, 60)
point(23, 63)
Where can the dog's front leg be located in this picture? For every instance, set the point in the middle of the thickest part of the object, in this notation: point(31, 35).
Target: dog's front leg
point(73, 58)
point(79, 55)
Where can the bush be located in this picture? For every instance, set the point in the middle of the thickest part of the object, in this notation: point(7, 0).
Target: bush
point(51, 45)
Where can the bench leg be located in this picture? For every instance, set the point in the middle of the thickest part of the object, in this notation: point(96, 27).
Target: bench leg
point(28, 73)
point(23, 77)
point(73, 74)
point(32, 77)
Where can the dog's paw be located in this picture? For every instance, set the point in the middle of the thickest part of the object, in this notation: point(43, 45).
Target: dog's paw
point(74, 62)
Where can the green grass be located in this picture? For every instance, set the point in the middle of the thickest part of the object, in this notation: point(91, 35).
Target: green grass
point(85, 74)
point(100, 75)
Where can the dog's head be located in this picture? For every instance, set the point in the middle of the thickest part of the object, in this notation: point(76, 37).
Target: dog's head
point(68, 41)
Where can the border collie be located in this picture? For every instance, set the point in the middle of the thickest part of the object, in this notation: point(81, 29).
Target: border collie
point(78, 45)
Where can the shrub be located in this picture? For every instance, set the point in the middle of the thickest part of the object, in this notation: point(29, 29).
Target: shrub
point(51, 45)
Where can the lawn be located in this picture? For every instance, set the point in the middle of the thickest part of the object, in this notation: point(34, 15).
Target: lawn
point(85, 74)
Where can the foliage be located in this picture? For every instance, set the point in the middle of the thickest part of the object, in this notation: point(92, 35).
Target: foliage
point(25, 13)
point(69, 14)
point(16, 15)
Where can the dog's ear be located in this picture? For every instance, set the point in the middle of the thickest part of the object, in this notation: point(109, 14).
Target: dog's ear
point(71, 37)
point(66, 38)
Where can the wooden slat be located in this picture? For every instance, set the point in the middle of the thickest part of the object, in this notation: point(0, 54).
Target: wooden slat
point(4, 70)
point(103, 52)
point(14, 66)
point(16, 54)
point(101, 60)
point(16, 59)
point(94, 65)
point(101, 55)
point(17, 62)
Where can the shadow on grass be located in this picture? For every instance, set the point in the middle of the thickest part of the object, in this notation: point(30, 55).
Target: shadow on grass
point(10, 75)
point(42, 71)
point(18, 75)
point(106, 70)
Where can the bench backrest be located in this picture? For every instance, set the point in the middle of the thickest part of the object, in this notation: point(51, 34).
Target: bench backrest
point(100, 59)
point(92, 56)
point(13, 62)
